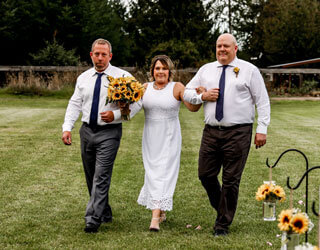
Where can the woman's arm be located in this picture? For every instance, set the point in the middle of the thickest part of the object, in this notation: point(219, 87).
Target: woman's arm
point(178, 92)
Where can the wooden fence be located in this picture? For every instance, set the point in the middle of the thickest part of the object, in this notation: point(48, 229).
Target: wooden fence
point(283, 77)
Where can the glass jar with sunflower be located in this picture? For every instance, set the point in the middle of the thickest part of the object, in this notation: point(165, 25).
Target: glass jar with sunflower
point(269, 194)
point(292, 223)
point(124, 91)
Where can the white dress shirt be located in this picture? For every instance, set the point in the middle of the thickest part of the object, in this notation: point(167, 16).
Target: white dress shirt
point(81, 100)
point(242, 93)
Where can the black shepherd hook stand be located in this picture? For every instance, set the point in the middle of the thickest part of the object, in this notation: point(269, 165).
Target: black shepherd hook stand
point(307, 167)
point(305, 175)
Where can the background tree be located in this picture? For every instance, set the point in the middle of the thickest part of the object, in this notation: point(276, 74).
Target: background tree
point(238, 17)
point(181, 28)
point(105, 19)
point(27, 25)
point(56, 55)
point(285, 31)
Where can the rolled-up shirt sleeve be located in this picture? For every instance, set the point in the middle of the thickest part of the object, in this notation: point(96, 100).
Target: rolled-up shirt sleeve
point(190, 94)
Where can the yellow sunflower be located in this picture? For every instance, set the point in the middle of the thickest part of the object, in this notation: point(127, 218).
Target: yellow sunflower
point(128, 95)
point(110, 92)
point(123, 88)
point(136, 96)
point(260, 197)
point(134, 85)
point(284, 220)
point(110, 78)
point(279, 192)
point(116, 95)
point(115, 83)
point(299, 223)
point(129, 79)
point(262, 192)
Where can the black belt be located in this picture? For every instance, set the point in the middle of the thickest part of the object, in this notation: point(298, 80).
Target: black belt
point(99, 128)
point(218, 127)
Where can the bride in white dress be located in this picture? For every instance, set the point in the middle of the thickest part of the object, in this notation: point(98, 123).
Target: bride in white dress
point(161, 142)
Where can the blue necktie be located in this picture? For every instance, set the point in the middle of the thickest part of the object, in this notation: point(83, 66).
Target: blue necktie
point(95, 102)
point(219, 105)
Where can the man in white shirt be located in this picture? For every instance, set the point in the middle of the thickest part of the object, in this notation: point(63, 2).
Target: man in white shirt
point(234, 88)
point(100, 132)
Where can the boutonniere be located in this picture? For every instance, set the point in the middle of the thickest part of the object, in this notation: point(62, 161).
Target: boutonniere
point(236, 70)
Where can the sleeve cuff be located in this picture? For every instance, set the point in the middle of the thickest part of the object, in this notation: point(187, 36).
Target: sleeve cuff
point(261, 129)
point(200, 98)
point(66, 127)
point(116, 114)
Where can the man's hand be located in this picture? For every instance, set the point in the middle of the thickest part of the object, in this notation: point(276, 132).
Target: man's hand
point(66, 137)
point(107, 116)
point(260, 140)
point(210, 95)
point(201, 90)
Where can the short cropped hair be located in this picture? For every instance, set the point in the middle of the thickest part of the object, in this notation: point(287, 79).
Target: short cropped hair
point(101, 41)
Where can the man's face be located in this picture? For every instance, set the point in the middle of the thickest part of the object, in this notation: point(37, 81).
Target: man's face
point(226, 49)
point(100, 56)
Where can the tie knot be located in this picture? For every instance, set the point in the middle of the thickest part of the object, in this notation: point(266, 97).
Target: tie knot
point(225, 66)
point(100, 74)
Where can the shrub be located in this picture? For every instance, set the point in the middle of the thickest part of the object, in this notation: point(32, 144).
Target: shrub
point(306, 89)
point(55, 54)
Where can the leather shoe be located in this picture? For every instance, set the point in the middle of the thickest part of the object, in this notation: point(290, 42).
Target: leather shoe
point(106, 220)
point(220, 232)
point(91, 228)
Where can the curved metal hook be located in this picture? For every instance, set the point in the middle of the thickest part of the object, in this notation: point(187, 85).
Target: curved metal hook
point(314, 209)
point(304, 175)
point(288, 150)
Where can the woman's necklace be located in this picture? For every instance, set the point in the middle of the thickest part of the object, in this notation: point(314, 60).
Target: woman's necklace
point(159, 88)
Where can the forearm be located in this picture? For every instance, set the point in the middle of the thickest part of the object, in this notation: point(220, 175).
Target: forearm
point(134, 109)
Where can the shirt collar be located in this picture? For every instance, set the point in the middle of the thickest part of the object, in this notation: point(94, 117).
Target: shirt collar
point(106, 71)
point(231, 64)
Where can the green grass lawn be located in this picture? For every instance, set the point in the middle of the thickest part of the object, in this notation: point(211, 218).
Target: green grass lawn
point(43, 194)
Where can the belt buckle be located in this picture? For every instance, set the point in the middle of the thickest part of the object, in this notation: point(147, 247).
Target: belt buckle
point(220, 127)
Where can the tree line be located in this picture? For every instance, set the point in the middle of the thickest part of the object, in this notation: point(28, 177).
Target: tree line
point(60, 32)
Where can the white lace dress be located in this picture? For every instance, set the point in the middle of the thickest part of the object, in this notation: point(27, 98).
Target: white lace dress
point(161, 147)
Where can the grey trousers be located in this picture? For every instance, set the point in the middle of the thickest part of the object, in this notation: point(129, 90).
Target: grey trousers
point(99, 148)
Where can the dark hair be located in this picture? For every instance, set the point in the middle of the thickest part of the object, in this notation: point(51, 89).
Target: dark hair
point(165, 60)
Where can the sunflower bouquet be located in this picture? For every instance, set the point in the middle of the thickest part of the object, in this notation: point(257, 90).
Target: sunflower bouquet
point(294, 221)
point(124, 91)
point(270, 192)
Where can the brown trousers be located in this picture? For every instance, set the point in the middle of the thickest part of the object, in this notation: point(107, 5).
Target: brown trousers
point(228, 147)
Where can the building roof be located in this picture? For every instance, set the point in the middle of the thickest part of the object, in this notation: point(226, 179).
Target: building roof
point(293, 64)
